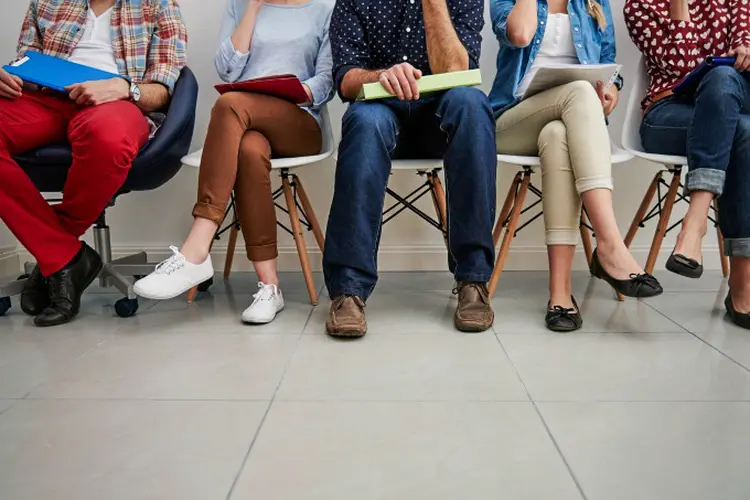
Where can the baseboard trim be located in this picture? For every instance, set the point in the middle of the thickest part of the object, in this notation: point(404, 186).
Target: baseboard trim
point(390, 258)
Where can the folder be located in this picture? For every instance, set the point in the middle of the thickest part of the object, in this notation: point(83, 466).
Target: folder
point(550, 76)
point(690, 83)
point(287, 87)
point(427, 84)
point(54, 73)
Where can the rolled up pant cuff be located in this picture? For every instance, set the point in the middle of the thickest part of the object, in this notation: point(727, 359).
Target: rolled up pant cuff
point(211, 212)
point(261, 253)
point(705, 179)
point(737, 247)
point(561, 236)
point(586, 184)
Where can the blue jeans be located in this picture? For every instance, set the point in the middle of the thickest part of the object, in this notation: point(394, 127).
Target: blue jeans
point(711, 128)
point(457, 126)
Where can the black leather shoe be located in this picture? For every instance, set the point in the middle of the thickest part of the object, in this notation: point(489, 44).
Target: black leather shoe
point(684, 266)
point(35, 294)
point(563, 319)
point(740, 319)
point(639, 286)
point(66, 287)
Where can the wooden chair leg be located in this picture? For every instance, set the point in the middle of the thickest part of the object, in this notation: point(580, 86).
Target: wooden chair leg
point(722, 256)
point(231, 247)
point(310, 213)
point(586, 238)
point(666, 215)
point(441, 205)
point(502, 255)
point(299, 239)
point(642, 210)
point(506, 208)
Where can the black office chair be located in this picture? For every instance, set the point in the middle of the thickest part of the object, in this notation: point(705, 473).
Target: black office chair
point(156, 164)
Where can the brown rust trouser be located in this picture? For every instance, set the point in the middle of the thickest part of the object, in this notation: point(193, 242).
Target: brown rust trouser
point(246, 130)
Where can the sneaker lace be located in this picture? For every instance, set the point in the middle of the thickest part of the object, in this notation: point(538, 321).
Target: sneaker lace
point(172, 264)
point(265, 293)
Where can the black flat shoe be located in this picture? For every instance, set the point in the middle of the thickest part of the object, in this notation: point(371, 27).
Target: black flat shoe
point(67, 286)
point(562, 319)
point(740, 319)
point(639, 286)
point(35, 295)
point(684, 266)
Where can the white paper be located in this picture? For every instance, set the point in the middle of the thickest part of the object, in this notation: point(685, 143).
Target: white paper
point(542, 78)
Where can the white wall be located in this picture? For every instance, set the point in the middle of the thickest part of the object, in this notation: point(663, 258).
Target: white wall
point(157, 219)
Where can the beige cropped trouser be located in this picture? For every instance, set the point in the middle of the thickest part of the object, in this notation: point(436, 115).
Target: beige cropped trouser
point(565, 127)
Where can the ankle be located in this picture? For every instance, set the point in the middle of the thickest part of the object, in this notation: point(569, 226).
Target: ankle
point(194, 255)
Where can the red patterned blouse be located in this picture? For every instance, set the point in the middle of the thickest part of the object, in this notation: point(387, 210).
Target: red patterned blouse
point(673, 48)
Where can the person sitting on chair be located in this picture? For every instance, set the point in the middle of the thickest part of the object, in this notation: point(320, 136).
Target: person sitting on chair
point(395, 45)
point(710, 124)
point(566, 127)
point(143, 41)
point(258, 38)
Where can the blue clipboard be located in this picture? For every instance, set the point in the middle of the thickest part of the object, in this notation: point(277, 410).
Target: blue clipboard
point(54, 73)
point(690, 83)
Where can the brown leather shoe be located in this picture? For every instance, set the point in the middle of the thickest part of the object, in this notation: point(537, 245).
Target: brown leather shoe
point(474, 312)
point(346, 318)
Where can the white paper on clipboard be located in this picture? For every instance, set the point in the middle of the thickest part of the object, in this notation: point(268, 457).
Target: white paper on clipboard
point(546, 77)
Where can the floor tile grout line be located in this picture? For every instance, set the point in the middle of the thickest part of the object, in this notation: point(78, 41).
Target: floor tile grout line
point(544, 422)
point(268, 408)
point(699, 338)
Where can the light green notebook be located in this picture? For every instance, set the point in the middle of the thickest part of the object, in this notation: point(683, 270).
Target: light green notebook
point(427, 84)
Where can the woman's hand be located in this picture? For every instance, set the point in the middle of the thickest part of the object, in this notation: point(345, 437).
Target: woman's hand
point(309, 93)
point(743, 58)
point(609, 98)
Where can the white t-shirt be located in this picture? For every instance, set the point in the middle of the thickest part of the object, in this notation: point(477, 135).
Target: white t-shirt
point(556, 48)
point(95, 48)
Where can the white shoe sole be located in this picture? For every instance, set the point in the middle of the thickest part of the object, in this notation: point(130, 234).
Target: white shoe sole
point(261, 321)
point(174, 293)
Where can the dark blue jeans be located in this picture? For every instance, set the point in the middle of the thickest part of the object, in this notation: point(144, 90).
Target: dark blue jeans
point(457, 126)
point(711, 128)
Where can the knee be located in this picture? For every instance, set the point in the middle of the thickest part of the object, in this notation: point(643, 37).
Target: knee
point(470, 101)
point(582, 93)
point(255, 151)
point(367, 121)
point(720, 80)
point(227, 103)
point(553, 134)
point(116, 146)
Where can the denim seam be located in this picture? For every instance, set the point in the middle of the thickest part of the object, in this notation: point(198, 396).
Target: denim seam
point(448, 199)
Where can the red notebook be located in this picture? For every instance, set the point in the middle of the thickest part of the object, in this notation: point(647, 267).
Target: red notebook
point(287, 87)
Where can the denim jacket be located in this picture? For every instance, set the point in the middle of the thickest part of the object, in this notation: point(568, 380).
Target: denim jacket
point(592, 45)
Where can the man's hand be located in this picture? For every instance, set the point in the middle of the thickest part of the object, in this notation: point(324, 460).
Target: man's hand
point(401, 81)
point(11, 87)
point(609, 99)
point(99, 92)
point(743, 58)
point(309, 93)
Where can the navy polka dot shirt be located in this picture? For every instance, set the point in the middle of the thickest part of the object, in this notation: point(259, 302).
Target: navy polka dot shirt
point(376, 34)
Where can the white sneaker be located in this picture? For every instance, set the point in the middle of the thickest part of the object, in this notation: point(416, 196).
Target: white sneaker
point(268, 302)
point(173, 277)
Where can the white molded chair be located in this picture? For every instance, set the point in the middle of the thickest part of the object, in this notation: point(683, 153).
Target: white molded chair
point(631, 141)
point(513, 208)
point(297, 206)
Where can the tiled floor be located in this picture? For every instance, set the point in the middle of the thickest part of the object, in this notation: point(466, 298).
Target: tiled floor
point(651, 401)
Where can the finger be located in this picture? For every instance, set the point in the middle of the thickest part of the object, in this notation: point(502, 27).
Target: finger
point(745, 63)
point(74, 92)
point(413, 85)
point(11, 82)
point(83, 99)
point(399, 73)
point(386, 84)
point(8, 92)
point(397, 90)
point(600, 91)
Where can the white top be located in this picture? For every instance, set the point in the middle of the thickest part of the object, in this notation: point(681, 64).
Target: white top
point(95, 48)
point(556, 48)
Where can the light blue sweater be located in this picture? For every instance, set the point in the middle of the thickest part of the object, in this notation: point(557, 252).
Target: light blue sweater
point(287, 39)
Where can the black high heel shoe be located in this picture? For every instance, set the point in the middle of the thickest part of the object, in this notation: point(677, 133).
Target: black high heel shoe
point(740, 319)
point(639, 286)
point(563, 319)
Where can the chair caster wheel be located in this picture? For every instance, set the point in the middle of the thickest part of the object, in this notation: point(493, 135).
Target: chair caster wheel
point(126, 308)
point(203, 287)
point(4, 305)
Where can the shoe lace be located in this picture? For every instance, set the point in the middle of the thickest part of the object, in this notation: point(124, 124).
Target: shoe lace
point(265, 293)
point(339, 302)
point(172, 264)
point(556, 312)
point(641, 280)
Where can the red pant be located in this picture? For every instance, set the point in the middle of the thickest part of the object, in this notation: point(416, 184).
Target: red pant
point(105, 140)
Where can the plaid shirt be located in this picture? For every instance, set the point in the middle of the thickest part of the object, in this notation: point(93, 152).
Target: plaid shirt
point(149, 36)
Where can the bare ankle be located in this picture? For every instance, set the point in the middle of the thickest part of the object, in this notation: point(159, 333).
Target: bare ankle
point(194, 255)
